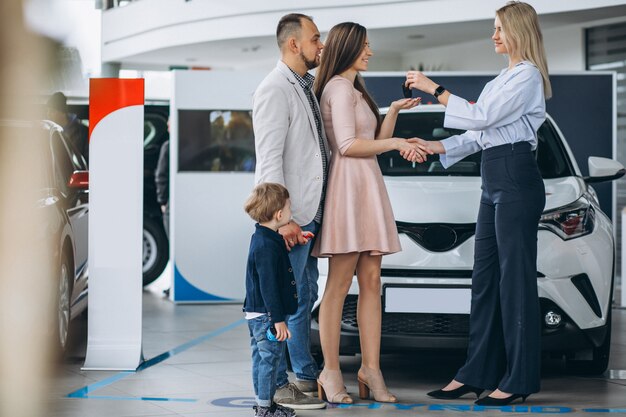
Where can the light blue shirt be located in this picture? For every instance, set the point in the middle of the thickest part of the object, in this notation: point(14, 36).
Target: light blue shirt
point(510, 109)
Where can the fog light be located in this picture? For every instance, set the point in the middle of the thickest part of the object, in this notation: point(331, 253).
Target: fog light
point(552, 319)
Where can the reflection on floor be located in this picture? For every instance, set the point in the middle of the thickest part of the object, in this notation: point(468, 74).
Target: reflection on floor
point(203, 369)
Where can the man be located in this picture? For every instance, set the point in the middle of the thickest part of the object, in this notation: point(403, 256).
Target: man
point(73, 130)
point(291, 149)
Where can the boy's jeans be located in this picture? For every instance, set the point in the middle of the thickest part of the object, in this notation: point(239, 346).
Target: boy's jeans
point(306, 273)
point(265, 358)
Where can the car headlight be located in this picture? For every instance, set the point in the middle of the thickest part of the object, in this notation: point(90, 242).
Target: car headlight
point(571, 221)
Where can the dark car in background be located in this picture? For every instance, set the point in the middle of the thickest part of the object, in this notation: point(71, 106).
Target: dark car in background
point(155, 241)
point(58, 182)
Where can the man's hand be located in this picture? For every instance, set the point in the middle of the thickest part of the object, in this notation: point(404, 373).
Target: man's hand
point(282, 332)
point(292, 233)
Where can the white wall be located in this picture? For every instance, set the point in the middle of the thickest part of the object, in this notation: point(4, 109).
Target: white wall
point(564, 48)
point(145, 26)
point(382, 61)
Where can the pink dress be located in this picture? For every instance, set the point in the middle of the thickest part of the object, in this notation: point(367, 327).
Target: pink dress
point(357, 212)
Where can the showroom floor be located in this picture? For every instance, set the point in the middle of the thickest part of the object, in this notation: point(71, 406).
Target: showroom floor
point(202, 369)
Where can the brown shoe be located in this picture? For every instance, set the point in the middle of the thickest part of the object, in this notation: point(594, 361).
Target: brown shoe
point(308, 387)
point(290, 396)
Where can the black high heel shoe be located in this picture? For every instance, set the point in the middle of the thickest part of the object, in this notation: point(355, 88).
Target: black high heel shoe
point(490, 401)
point(455, 393)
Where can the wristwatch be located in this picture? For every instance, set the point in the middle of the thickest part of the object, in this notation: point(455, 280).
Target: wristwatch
point(439, 91)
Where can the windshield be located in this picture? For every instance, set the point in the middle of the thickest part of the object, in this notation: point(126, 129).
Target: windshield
point(551, 157)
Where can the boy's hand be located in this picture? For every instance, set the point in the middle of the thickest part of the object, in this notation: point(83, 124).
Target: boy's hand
point(282, 332)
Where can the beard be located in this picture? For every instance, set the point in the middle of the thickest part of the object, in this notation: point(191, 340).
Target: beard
point(310, 64)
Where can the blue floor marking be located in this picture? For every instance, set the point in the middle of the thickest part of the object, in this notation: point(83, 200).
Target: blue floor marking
point(110, 397)
point(85, 391)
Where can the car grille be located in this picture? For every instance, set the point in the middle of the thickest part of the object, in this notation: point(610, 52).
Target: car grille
point(437, 237)
point(410, 323)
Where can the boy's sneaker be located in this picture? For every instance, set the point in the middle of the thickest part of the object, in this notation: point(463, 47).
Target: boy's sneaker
point(289, 412)
point(290, 396)
point(276, 410)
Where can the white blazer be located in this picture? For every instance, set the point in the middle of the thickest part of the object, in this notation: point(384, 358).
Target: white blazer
point(287, 143)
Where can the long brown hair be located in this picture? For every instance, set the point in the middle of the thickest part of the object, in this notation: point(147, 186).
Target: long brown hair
point(343, 46)
point(523, 34)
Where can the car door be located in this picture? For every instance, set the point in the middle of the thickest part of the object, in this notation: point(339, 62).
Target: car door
point(75, 203)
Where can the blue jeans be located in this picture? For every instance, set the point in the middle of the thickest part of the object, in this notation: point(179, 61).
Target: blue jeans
point(265, 358)
point(305, 269)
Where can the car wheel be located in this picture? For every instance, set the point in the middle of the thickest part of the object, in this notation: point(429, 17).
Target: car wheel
point(600, 356)
point(63, 305)
point(155, 250)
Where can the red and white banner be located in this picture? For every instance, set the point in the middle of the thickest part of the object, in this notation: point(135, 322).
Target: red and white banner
point(116, 113)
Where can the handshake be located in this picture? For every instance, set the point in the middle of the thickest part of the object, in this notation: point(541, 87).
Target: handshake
point(417, 150)
point(414, 149)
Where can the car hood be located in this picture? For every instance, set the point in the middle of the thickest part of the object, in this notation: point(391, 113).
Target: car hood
point(456, 199)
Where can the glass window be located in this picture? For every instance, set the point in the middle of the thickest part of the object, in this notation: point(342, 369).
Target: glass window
point(78, 160)
point(428, 126)
point(215, 141)
point(552, 160)
point(63, 164)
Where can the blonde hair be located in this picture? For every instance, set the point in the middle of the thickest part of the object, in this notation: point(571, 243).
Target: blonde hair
point(265, 201)
point(521, 26)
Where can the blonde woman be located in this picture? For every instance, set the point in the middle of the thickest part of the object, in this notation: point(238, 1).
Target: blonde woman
point(358, 227)
point(505, 337)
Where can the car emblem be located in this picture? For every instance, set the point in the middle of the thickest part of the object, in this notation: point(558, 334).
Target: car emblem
point(437, 237)
point(440, 237)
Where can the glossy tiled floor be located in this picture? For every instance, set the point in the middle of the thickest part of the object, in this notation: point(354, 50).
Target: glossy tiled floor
point(207, 373)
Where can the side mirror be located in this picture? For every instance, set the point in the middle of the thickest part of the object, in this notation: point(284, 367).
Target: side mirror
point(79, 180)
point(604, 169)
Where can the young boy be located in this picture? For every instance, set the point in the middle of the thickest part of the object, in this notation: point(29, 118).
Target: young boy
point(270, 293)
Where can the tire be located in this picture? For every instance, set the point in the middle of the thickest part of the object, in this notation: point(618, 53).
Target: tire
point(155, 250)
point(600, 356)
point(64, 296)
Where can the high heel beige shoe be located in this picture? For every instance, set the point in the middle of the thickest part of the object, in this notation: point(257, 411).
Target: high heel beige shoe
point(330, 387)
point(371, 380)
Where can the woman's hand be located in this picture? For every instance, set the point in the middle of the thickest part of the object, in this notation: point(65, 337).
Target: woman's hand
point(282, 332)
point(411, 151)
point(404, 104)
point(429, 146)
point(418, 81)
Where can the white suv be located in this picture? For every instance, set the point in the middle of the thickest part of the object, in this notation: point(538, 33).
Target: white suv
point(426, 286)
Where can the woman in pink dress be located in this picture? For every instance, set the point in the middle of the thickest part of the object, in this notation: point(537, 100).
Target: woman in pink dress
point(358, 226)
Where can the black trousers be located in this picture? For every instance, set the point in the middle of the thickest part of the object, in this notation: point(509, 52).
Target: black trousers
point(505, 330)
